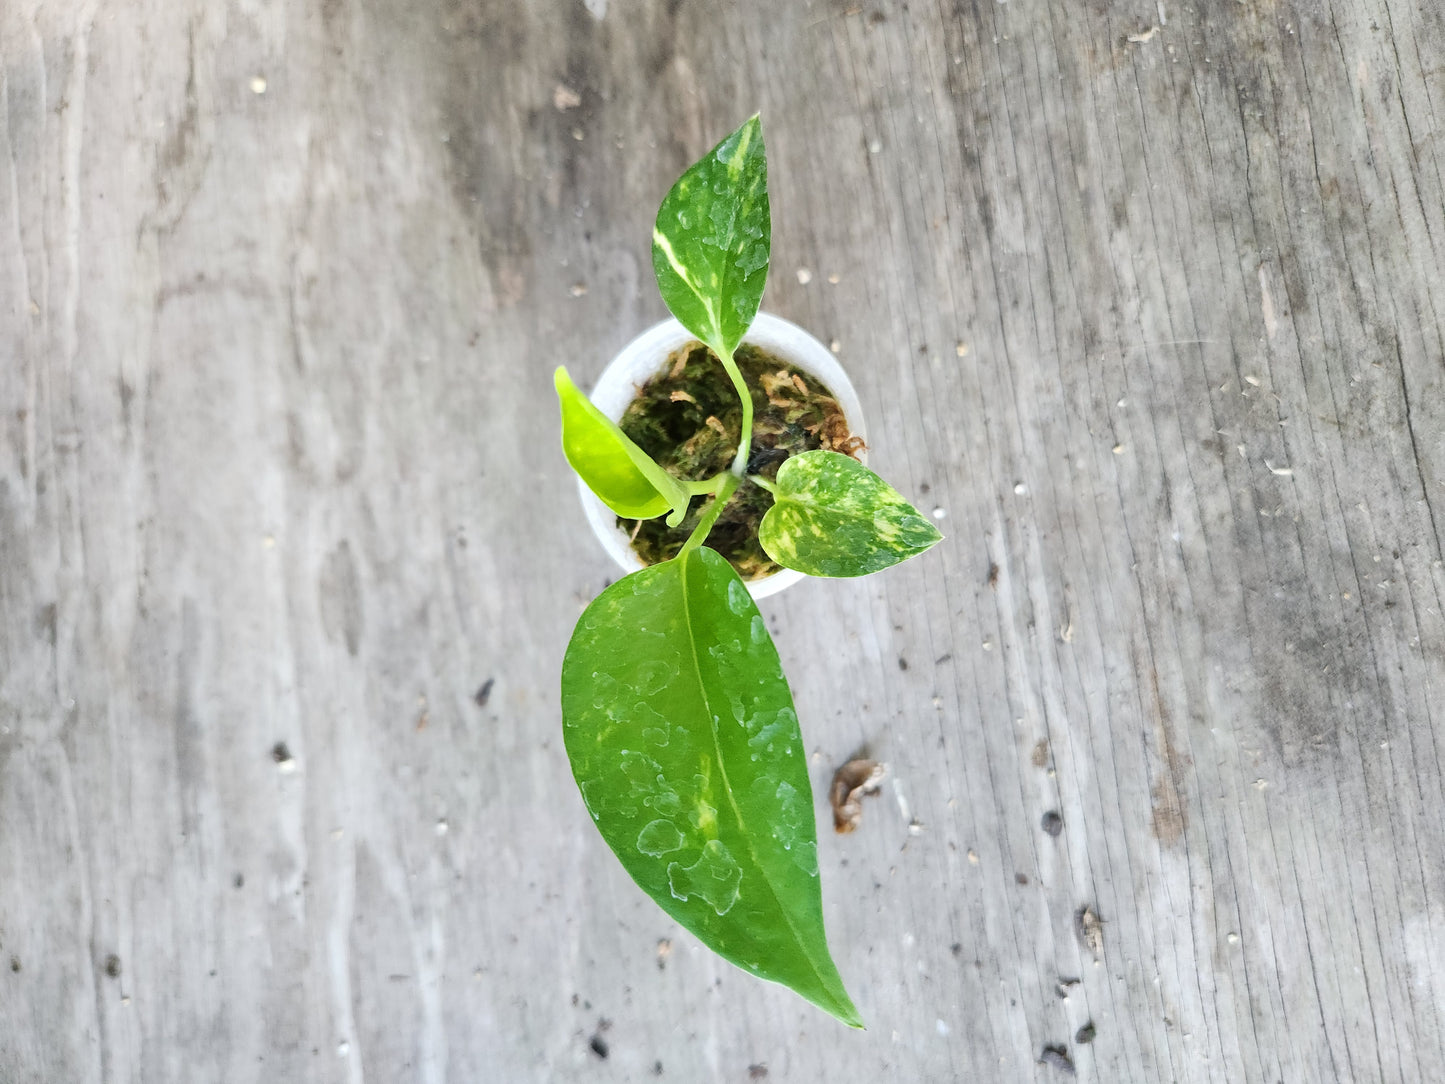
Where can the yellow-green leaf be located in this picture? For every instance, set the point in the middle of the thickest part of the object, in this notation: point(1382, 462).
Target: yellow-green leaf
point(682, 735)
point(624, 477)
point(711, 242)
point(832, 516)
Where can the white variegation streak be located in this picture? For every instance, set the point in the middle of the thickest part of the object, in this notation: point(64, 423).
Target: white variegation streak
point(709, 302)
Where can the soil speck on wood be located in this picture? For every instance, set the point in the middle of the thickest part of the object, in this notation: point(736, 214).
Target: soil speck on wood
point(1085, 1034)
point(598, 1046)
point(1052, 823)
point(484, 693)
point(1040, 755)
point(757, 1071)
point(112, 966)
point(1058, 1057)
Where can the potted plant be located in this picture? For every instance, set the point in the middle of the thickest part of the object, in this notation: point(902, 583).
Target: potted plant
point(677, 719)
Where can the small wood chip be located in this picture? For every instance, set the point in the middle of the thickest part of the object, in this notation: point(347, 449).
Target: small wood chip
point(851, 783)
point(680, 396)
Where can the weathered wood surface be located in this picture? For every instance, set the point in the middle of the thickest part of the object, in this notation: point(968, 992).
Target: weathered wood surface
point(1146, 298)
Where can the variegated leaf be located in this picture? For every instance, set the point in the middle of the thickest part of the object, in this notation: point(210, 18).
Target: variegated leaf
point(711, 242)
point(683, 738)
point(833, 516)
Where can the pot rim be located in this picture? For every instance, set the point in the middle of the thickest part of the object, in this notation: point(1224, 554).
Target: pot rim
point(643, 358)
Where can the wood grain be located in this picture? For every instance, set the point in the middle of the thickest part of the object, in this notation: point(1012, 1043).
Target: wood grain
point(1144, 298)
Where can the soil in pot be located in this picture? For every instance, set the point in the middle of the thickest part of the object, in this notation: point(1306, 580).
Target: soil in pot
point(688, 418)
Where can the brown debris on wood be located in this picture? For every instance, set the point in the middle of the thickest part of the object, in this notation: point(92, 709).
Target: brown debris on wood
point(1090, 930)
point(851, 784)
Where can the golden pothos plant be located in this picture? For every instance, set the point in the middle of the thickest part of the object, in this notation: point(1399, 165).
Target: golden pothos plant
point(677, 718)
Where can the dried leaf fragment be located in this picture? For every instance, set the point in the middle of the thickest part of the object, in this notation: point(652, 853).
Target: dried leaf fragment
point(851, 783)
point(1090, 929)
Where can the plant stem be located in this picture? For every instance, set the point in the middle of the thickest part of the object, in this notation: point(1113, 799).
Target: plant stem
point(745, 441)
point(707, 485)
point(704, 525)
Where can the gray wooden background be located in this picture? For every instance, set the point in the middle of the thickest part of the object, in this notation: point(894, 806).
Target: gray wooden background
point(1145, 299)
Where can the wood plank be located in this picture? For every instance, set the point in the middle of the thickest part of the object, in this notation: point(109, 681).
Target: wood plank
point(1144, 299)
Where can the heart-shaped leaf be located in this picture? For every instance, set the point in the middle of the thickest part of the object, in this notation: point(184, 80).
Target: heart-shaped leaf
point(711, 242)
point(833, 516)
point(624, 477)
point(682, 735)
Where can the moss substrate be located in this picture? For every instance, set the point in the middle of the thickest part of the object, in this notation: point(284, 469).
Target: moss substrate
point(689, 419)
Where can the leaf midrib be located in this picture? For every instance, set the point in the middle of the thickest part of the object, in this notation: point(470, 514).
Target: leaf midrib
point(727, 785)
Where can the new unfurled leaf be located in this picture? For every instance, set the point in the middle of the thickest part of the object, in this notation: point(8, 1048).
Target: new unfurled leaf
point(624, 477)
point(833, 516)
point(682, 735)
point(711, 242)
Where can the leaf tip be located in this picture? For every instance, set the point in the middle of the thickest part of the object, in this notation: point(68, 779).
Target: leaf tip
point(845, 1012)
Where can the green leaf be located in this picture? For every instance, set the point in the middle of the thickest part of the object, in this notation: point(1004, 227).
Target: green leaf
point(624, 477)
point(833, 516)
point(682, 735)
point(711, 242)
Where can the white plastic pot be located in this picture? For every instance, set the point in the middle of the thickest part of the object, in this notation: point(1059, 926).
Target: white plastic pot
point(645, 356)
